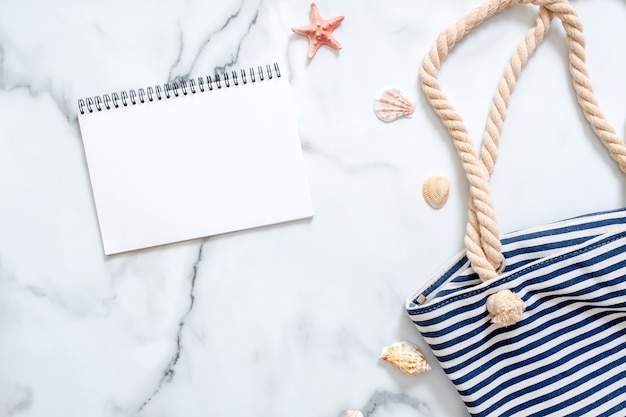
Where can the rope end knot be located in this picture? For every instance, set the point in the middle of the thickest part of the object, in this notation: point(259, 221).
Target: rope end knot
point(506, 308)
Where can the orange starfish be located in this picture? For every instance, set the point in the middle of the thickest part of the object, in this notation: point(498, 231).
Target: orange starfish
point(319, 31)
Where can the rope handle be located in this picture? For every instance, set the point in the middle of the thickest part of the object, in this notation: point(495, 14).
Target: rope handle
point(482, 237)
point(491, 136)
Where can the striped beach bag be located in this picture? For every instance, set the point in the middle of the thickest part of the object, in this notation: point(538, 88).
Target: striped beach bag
point(532, 323)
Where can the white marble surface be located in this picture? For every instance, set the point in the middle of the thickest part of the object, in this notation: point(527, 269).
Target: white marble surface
point(286, 320)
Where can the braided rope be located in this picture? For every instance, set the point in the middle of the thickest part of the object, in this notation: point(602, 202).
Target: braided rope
point(493, 131)
point(482, 236)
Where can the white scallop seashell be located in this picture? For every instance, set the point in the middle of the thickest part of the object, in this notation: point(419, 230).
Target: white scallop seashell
point(391, 104)
point(406, 358)
point(353, 413)
point(435, 191)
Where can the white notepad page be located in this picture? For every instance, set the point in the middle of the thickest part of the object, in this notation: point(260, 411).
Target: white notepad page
point(196, 165)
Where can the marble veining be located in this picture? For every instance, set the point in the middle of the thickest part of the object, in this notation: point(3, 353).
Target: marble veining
point(14, 398)
point(225, 66)
point(168, 373)
point(390, 403)
point(381, 400)
point(289, 317)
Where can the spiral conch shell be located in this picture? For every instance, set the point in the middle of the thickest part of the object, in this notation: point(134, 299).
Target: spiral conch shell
point(391, 104)
point(406, 358)
point(353, 413)
point(435, 191)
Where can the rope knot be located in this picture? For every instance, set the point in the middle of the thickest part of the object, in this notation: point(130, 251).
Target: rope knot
point(506, 307)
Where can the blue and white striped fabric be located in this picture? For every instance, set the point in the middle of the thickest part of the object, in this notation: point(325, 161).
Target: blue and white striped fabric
point(567, 356)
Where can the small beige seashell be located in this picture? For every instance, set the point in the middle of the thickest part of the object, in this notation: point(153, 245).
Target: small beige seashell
point(354, 413)
point(406, 358)
point(435, 191)
point(391, 104)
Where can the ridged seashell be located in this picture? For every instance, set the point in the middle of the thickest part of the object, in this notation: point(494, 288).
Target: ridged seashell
point(406, 358)
point(391, 104)
point(353, 413)
point(435, 191)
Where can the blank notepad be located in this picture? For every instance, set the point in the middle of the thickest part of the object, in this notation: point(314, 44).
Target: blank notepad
point(195, 159)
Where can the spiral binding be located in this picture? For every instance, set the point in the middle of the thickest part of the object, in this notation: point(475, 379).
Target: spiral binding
point(175, 89)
